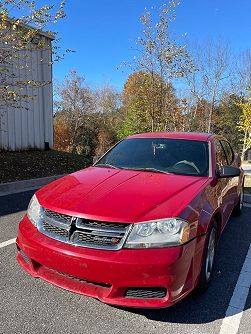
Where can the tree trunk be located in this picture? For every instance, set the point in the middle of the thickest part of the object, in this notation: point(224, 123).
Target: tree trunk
point(210, 119)
point(152, 124)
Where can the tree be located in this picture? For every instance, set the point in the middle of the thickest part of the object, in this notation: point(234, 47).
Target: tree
point(243, 71)
point(86, 120)
point(209, 79)
point(194, 111)
point(76, 105)
point(62, 135)
point(226, 118)
point(108, 106)
point(161, 59)
point(20, 37)
point(136, 95)
point(244, 125)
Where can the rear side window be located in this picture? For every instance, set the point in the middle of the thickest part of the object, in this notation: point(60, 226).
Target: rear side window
point(221, 159)
point(228, 150)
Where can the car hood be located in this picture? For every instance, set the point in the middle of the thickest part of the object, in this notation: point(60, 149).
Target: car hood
point(120, 195)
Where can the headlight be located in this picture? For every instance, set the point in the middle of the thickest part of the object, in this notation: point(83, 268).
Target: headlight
point(34, 210)
point(158, 233)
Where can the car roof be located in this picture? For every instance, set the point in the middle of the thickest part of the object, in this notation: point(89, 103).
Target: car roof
point(177, 135)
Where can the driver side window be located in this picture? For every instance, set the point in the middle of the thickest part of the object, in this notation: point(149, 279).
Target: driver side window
point(221, 159)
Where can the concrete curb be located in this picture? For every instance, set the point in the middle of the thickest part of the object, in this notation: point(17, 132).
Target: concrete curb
point(9, 188)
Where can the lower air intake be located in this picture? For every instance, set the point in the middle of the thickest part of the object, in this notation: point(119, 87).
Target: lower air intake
point(81, 280)
point(147, 293)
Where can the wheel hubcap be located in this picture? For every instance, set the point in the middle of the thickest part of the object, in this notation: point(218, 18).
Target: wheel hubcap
point(210, 253)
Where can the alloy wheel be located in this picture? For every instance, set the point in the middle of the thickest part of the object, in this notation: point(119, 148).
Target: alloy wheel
point(210, 254)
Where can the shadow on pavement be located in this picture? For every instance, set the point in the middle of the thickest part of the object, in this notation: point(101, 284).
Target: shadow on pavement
point(212, 305)
point(15, 202)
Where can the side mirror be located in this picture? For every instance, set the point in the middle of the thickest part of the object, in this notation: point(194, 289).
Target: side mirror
point(229, 171)
point(95, 159)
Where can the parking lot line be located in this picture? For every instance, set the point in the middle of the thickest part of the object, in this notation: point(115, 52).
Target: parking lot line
point(231, 322)
point(7, 243)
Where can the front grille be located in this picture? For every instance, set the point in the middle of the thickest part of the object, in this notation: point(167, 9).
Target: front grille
point(57, 216)
point(93, 223)
point(83, 232)
point(147, 293)
point(95, 239)
point(58, 231)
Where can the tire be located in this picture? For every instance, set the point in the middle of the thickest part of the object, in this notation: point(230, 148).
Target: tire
point(208, 259)
point(238, 207)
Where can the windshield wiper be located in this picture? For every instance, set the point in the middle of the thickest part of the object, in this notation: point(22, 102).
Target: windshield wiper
point(106, 165)
point(148, 169)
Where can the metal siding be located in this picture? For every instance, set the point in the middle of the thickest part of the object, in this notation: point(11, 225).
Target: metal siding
point(18, 125)
point(23, 129)
point(23, 110)
point(30, 106)
point(11, 121)
point(35, 104)
point(41, 103)
point(18, 129)
point(4, 136)
point(47, 92)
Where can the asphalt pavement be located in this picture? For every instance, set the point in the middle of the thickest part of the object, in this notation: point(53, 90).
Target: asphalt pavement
point(29, 305)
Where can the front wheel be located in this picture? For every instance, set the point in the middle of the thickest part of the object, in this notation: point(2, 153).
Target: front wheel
point(208, 259)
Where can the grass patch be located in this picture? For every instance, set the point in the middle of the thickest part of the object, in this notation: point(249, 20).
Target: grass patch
point(16, 166)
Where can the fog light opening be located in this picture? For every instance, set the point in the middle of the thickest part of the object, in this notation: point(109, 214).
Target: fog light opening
point(146, 293)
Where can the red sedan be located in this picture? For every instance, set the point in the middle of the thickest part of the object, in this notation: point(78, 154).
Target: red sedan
point(140, 227)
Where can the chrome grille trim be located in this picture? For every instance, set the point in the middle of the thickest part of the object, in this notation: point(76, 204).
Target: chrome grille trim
point(82, 226)
point(83, 232)
point(101, 233)
point(99, 224)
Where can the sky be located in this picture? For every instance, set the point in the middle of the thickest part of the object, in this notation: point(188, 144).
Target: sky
point(103, 33)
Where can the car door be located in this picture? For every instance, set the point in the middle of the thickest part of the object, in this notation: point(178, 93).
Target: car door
point(223, 184)
point(232, 182)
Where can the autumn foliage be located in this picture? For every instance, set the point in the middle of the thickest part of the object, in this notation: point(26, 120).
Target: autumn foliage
point(62, 135)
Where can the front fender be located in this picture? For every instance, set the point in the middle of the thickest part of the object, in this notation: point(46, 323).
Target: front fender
point(201, 211)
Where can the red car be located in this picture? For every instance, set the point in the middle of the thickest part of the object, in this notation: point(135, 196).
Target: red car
point(140, 227)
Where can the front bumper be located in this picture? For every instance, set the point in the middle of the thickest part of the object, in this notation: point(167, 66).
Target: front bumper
point(106, 275)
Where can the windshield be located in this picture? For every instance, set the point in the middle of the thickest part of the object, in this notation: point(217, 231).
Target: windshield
point(164, 155)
